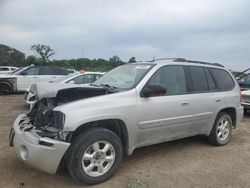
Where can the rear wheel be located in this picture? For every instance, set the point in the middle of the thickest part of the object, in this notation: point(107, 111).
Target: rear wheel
point(94, 156)
point(5, 88)
point(222, 130)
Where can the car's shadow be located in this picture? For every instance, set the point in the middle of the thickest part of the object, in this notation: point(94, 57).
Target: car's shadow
point(171, 146)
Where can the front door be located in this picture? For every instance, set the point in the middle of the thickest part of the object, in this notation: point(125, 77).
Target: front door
point(26, 78)
point(169, 116)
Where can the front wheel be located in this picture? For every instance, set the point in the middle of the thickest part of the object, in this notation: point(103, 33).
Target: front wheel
point(94, 156)
point(222, 130)
point(5, 88)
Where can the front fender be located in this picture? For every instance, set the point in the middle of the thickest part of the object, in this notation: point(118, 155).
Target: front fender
point(72, 125)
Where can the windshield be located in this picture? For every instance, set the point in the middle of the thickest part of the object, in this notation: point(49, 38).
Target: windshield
point(61, 79)
point(124, 77)
point(18, 71)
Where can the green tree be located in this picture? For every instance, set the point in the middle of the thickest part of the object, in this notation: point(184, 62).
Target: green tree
point(44, 51)
point(115, 59)
point(11, 56)
point(31, 60)
point(132, 60)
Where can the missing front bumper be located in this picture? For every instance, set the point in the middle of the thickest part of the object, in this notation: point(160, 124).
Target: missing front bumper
point(42, 153)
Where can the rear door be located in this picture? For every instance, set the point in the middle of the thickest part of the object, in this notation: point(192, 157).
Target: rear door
point(47, 74)
point(206, 100)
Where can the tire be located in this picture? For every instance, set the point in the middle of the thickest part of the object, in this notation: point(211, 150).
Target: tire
point(90, 144)
point(245, 111)
point(5, 88)
point(220, 136)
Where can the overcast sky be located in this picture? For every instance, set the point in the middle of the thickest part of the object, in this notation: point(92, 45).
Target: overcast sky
point(208, 30)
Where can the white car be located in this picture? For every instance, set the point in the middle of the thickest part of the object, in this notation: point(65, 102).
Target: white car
point(61, 83)
point(21, 79)
point(7, 69)
point(246, 100)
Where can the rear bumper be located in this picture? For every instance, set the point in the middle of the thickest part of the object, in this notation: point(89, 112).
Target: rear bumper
point(42, 153)
point(246, 105)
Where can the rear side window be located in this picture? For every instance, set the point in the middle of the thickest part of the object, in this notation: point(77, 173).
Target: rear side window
point(199, 80)
point(46, 71)
point(83, 79)
point(58, 71)
point(210, 80)
point(223, 79)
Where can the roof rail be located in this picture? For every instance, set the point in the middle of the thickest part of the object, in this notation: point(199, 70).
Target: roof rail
point(167, 58)
point(200, 62)
point(185, 60)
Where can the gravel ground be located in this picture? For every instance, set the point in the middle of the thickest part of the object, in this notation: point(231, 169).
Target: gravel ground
point(190, 162)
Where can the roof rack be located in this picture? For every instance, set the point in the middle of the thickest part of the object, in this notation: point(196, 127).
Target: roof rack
point(167, 58)
point(200, 62)
point(187, 61)
point(184, 60)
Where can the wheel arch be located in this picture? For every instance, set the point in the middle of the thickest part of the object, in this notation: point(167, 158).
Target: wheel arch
point(8, 83)
point(232, 112)
point(117, 126)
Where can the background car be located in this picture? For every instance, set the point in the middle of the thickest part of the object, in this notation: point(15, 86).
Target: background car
point(245, 100)
point(65, 82)
point(7, 70)
point(244, 82)
point(21, 79)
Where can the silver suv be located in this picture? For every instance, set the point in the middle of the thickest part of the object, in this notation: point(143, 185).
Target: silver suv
point(134, 105)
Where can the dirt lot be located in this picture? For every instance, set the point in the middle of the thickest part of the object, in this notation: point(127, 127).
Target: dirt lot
point(189, 162)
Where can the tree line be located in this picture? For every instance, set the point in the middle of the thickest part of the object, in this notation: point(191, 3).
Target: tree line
point(13, 57)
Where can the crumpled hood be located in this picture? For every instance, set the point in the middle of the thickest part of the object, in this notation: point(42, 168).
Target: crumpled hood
point(50, 90)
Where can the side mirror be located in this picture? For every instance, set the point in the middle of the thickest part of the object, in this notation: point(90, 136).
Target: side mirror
point(72, 82)
point(153, 90)
point(23, 73)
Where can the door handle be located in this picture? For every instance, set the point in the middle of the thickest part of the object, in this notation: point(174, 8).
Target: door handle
point(185, 103)
point(218, 100)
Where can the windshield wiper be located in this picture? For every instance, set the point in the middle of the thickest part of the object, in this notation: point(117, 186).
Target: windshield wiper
point(113, 88)
point(107, 86)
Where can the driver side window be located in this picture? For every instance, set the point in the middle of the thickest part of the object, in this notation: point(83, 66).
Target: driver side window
point(172, 77)
point(31, 71)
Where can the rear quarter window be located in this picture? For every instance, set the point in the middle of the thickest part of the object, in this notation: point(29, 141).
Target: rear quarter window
point(223, 79)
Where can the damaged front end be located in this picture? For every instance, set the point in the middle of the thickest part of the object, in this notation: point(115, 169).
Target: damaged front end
point(45, 121)
point(38, 141)
point(49, 123)
point(38, 136)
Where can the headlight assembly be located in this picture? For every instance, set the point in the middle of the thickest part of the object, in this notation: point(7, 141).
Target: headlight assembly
point(59, 119)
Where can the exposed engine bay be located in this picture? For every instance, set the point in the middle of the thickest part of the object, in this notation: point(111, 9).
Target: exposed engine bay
point(49, 123)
